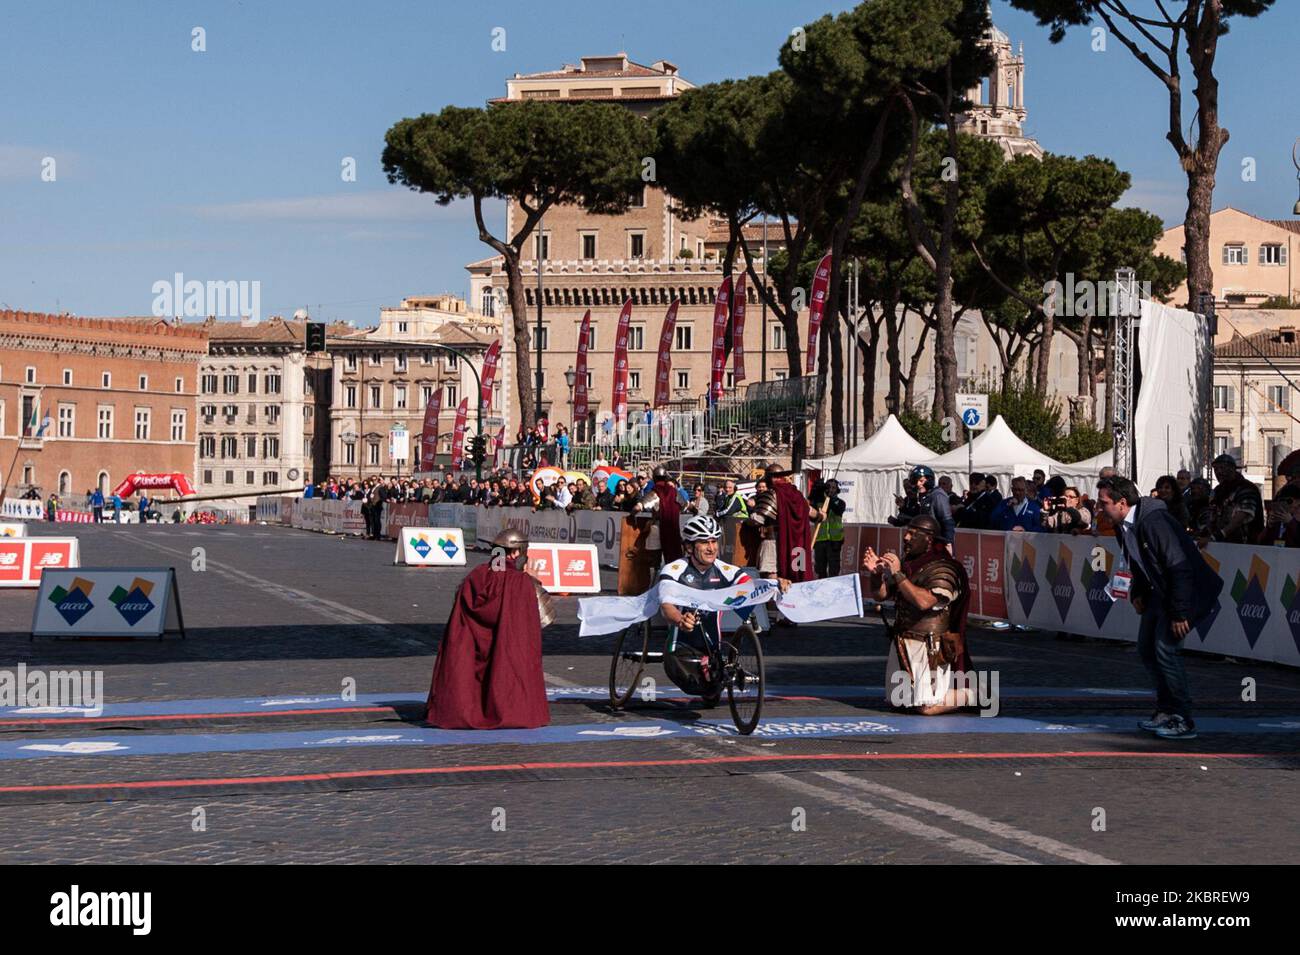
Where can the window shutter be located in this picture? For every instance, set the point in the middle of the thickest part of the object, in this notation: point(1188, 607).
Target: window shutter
point(1231, 392)
point(1225, 255)
point(1282, 252)
point(1263, 255)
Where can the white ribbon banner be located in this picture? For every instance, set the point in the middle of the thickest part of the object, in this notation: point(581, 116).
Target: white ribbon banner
point(803, 603)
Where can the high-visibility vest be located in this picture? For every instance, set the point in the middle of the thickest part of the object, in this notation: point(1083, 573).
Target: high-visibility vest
point(831, 529)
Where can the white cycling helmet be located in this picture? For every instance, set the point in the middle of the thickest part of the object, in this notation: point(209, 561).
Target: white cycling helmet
point(701, 529)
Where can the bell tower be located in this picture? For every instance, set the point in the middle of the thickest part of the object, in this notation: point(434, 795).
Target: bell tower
point(998, 104)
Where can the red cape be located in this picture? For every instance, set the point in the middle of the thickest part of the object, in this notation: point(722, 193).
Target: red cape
point(793, 533)
point(670, 526)
point(489, 669)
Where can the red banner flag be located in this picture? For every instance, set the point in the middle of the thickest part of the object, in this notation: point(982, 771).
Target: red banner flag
point(429, 432)
point(821, 283)
point(490, 372)
point(720, 312)
point(620, 365)
point(580, 380)
point(664, 366)
point(458, 436)
point(738, 332)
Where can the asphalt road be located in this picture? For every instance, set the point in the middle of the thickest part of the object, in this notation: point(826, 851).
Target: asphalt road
point(237, 744)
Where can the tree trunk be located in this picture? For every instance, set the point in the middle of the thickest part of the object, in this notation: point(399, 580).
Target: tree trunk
point(524, 373)
point(1043, 357)
point(837, 385)
point(892, 328)
point(867, 349)
point(910, 393)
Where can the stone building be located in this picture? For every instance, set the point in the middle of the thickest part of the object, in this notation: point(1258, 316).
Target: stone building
point(1253, 258)
point(119, 394)
point(1254, 403)
point(387, 374)
point(650, 253)
point(998, 103)
point(258, 408)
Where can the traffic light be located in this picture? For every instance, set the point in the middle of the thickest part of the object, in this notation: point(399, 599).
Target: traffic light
point(478, 449)
point(315, 336)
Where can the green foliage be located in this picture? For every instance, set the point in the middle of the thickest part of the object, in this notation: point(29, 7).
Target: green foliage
point(1080, 444)
point(1034, 418)
point(920, 427)
point(1278, 301)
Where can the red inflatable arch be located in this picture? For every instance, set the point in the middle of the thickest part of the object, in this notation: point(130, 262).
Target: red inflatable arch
point(149, 482)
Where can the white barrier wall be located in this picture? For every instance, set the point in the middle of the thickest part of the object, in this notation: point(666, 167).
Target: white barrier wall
point(15, 509)
point(1051, 584)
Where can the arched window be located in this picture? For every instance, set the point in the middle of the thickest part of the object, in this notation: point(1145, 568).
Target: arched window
point(65, 483)
point(102, 482)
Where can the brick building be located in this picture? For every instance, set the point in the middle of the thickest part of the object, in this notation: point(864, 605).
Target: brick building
point(119, 395)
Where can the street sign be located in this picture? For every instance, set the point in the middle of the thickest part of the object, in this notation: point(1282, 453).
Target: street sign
point(399, 443)
point(973, 411)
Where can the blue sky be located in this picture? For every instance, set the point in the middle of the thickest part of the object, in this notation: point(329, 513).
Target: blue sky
point(225, 165)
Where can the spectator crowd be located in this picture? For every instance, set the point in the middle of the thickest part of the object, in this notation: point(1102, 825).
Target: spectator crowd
point(1230, 511)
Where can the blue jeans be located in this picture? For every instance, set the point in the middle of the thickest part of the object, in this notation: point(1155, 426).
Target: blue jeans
point(1160, 654)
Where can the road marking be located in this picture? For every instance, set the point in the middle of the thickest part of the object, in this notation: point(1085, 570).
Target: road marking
point(902, 823)
point(973, 820)
point(470, 769)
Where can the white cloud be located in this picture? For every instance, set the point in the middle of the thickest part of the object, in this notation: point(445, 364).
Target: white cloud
point(389, 205)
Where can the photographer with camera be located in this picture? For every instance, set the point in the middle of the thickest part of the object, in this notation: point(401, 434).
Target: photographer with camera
point(1064, 509)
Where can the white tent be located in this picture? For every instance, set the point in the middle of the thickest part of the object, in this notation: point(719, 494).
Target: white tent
point(996, 451)
point(871, 473)
point(1083, 474)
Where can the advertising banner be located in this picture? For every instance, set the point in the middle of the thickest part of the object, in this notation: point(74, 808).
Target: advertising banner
point(74, 517)
point(13, 529)
point(108, 602)
point(21, 510)
point(664, 363)
point(721, 310)
point(1057, 582)
point(23, 560)
point(620, 365)
point(430, 547)
point(821, 284)
point(600, 529)
point(738, 332)
point(580, 378)
point(404, 514)
point(565, 568)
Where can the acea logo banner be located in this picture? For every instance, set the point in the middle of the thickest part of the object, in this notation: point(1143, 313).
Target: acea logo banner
point(1256, 616)
point(13, 529)
point(1023, 581)
point(132, 601)
point(431, 547)
point(72, 603)
point(108, 602)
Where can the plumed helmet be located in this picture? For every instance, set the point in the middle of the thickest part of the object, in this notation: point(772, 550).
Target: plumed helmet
point(512, 538)
point(765, 505)
point(701, 528)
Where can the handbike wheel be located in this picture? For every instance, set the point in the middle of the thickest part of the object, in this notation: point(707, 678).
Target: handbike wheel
point(628, 663)
point(746, 681)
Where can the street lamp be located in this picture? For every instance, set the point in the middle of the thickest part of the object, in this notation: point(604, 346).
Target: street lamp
point(1295, 161)
point(571, 376)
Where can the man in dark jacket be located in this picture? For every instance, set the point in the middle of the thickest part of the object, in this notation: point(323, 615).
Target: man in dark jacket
point(1170, 585)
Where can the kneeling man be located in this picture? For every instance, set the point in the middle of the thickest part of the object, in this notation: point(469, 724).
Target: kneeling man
point(927, 654)
point(489, 669)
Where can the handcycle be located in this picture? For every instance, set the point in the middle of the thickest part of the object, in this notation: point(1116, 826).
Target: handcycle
point(737, 666)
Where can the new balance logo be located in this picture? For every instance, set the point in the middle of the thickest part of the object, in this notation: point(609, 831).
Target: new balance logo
point(50, 560)
point(7, 559)
point(576, 567)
